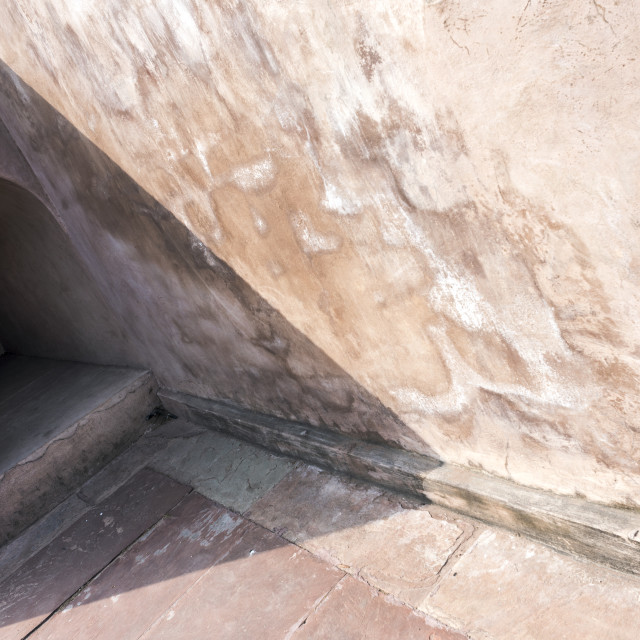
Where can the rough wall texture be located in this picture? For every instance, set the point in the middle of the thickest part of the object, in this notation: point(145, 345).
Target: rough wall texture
point(104, 273)
point(440, 196)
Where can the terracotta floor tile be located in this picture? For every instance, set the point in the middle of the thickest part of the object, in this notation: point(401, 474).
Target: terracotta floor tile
point(512, 588)
point(134, 591)
point(393, 543)
point(262, 593)
point(355, 611)
point(54, 574)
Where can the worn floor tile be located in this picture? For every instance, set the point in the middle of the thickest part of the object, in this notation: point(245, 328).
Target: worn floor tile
point(138, 455)
point(515, 589)
point(55, 573)
point(40, 534)
point(66, 392)
point(135, 590)
point(392, 543)
point(263, 592)
point(118, 471)
point(227, 470)
point(355, 611)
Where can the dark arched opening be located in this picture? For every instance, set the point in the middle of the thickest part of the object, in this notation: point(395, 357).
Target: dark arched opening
point(49, 305)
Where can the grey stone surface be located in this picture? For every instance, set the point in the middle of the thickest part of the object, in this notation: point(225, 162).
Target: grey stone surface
point(40, 399)
point(118, 471)
point(140, 454)
point(176, 429)
point(227, 470)
point(62, 428)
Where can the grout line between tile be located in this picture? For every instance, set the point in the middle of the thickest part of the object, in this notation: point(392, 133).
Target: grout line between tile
point(314, 608)
point(124, 550)
point(466, 540)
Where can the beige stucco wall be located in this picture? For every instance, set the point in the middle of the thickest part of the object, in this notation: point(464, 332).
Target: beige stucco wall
point(92, 268)
point(441, 196)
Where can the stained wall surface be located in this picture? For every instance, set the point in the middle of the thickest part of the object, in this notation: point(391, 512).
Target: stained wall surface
point(96, 270)
point(439, 197)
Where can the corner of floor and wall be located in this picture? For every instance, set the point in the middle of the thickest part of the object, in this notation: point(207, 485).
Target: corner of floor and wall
point(396, 241)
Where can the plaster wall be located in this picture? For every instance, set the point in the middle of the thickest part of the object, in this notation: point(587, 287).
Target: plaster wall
point(96, 270)
point(440, 197)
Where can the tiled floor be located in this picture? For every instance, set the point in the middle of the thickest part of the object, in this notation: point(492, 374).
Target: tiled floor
point(191, 534)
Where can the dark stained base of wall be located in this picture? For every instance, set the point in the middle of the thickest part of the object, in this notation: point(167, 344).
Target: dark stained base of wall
point(601, 533)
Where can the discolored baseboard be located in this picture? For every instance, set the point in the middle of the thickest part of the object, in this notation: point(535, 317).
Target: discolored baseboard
point(601, 533)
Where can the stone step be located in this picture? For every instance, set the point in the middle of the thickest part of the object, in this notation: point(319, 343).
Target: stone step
point(60, 422)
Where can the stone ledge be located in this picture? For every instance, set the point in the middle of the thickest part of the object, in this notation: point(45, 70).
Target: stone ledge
point(109, 418)
point(598, 532)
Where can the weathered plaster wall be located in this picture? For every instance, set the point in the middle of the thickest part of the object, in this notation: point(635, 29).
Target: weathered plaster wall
point(441, 196)
point(103, 273)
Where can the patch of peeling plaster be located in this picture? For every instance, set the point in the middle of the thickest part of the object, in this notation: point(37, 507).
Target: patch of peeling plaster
point(256, 176)
point(260, 223)
point(200, 152)
point(458, 298)
point(465, 383)
point(311, 241)
point(334, 201)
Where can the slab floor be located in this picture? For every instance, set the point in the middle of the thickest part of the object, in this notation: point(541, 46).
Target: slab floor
point(192, 534)
point(60, 423)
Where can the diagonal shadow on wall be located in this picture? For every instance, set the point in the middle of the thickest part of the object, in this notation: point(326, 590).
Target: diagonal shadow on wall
point(92, 268)
point(159, 298)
